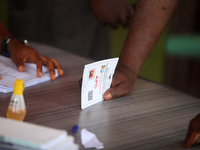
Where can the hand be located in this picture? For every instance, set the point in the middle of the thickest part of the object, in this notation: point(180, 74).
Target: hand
point(21, 53)
point(122, 83)
point(193, 132)
point(112, 12)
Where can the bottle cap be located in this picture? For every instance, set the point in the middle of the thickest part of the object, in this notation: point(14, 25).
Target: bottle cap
point(18, 87)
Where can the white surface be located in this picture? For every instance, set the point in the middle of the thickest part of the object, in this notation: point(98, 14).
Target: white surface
point(66, 144)
point(29, 135)
point(94, 85)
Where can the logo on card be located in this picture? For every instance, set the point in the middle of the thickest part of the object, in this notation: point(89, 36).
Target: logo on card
point(92, 74)
point(96, 82)
point(103, 68)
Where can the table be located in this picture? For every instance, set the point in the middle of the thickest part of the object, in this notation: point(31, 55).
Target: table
point(153, 117)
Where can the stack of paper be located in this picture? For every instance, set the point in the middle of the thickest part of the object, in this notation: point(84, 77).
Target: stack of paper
point(9, 74)
point(23, 135)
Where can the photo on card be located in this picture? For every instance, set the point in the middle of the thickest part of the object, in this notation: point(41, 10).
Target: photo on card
point(92, 74)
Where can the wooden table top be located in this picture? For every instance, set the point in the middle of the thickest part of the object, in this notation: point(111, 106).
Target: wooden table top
point(153, 117)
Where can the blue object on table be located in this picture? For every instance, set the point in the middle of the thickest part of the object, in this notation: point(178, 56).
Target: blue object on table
point(75, 128)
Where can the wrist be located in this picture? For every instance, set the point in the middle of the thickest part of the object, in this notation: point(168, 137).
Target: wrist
point(130, 66)
point(7, 43)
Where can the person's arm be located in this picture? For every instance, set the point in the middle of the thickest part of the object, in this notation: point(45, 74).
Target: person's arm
point(21, 53)
point(193, 132)
point(112, 12)
point(149, 21)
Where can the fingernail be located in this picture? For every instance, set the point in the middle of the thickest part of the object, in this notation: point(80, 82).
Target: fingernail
point(61, 72)
point(40, 74)
point(20, 68)
point(53, 77)
point(108, 96)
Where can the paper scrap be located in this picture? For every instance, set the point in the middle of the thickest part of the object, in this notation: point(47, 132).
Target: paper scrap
point(89, 140)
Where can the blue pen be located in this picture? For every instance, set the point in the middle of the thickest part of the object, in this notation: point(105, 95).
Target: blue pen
point(75, 128)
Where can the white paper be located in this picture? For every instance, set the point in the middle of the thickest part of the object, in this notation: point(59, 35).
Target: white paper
point(97, 78)
point(9, 74)
point(27, 136)
point(89, 140)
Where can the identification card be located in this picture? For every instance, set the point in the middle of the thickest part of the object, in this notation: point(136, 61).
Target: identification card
point(97, 78)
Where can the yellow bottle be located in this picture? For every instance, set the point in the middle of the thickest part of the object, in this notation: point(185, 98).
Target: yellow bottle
point(17, 108)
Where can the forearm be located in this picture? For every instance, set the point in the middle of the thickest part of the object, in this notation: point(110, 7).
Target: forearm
point(3, 34)
point(149, 21)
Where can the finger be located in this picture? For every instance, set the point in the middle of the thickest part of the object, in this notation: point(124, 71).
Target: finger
point(129, 18)
point(80, 82)
point(57, 66)
point(19, 63)
point(50, 67)
point(114, 25)
point(116, 91)
point(47, 62)
point(20, 66)
point(133, 6)
point(124, 22)
point(130, 13)
point(0, 77)
point(39, 67)
point(191, 138)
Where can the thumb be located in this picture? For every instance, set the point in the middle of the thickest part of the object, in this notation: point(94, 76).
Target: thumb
point(80, 82)
point(115, 91)
point(191, 139)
